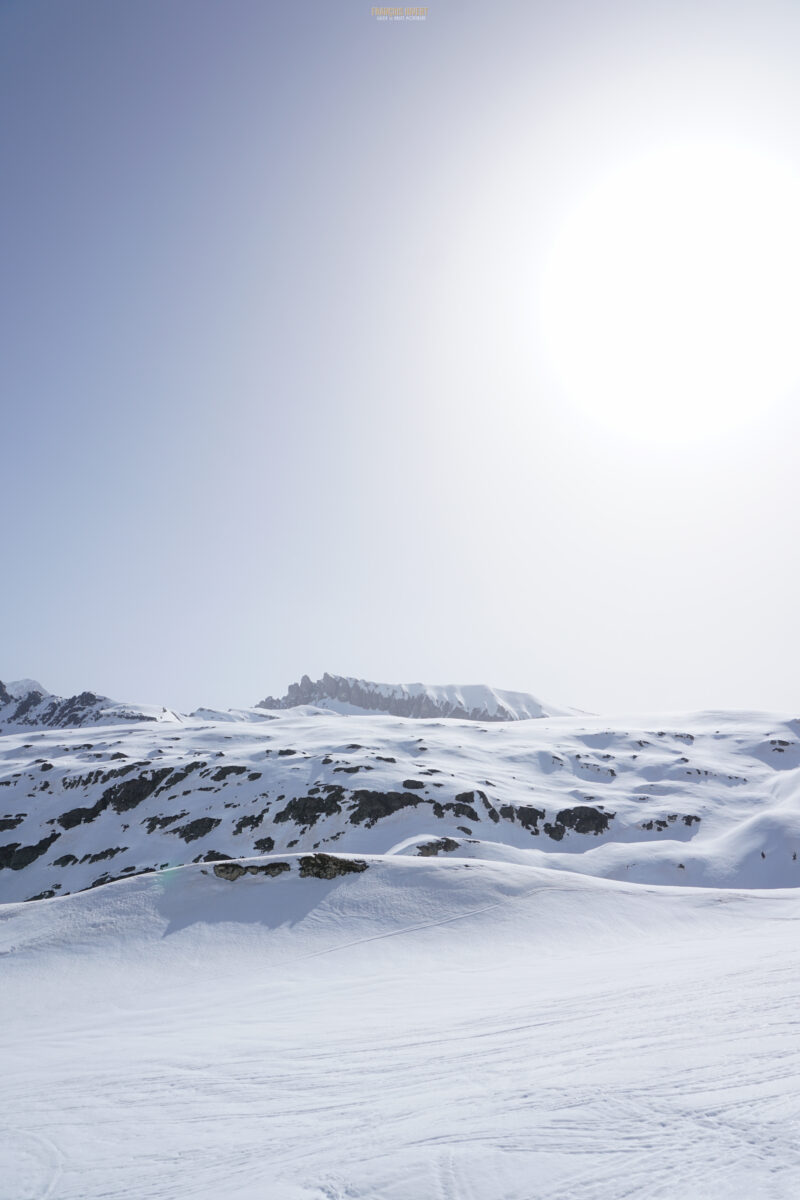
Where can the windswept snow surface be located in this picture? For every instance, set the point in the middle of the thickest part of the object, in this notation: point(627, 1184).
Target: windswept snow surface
point(373, 956)
point(425, 1028)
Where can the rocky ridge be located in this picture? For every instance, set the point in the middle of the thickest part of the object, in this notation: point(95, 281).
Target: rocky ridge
point(415, 700)
point(26, 704)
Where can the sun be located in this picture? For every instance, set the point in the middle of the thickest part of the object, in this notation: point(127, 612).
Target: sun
point(670, 298)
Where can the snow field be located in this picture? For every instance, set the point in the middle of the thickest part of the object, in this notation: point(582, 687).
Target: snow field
point(429, 1028)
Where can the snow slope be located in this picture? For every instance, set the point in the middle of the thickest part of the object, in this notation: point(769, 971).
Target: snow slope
point(426, 1027)
point(710, 799)
point(304, 955)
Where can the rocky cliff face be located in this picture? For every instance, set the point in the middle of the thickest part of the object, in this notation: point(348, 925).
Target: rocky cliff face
point(416, 700)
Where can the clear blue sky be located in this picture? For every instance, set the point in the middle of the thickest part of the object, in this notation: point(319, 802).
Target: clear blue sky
point(274, 397)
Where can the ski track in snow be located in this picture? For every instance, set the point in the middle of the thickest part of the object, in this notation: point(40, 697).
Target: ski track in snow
point(538, 1013)
point(480, 1051)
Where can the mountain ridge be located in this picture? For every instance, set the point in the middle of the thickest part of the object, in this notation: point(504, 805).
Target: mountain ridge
point(24, 703)
point(420, 701)
point(701, 800)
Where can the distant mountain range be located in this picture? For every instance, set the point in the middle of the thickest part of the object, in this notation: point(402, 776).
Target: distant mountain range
point(475, 702)
point(26, 702)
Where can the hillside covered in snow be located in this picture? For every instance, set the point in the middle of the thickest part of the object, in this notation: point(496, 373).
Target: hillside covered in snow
point(314, 954)
point(709, 799)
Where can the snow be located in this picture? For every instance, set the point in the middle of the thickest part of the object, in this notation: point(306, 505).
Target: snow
point(542, 1011)
point(704, 799)
point(20, 688)
point(426, 1028)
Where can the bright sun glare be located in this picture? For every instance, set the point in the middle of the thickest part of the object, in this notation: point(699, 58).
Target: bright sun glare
point(670, 299)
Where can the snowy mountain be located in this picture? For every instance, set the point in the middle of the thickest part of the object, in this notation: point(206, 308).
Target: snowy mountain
point(25, 703)
point(343, 694)
point(709, 800)
point(313, 954)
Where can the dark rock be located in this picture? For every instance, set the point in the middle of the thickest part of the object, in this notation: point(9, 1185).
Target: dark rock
point(16, 857)
point(223, 773)
point(487, 804)
point(154, 823)
point(266, 845)
point(26, 704)
point(526, 814)
point(229, 870)
point(413, 783)
point(656, 823)
point(129, 793)
point(235, 870)
point(81, 816)
point(583, 819)
point(328, 866)
point(273, 869)
point(371, 807)
point(306, 810)
point(196, 829)
point(103, 854)
point(459, 809)
point(252, 821)
point(180, 774)
point(528, 817)
point(446, 845)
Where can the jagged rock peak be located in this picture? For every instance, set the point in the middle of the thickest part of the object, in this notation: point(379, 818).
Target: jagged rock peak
point(475, 702)
point(26, 703)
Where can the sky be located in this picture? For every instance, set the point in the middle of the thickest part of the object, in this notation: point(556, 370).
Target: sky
point(332, 343)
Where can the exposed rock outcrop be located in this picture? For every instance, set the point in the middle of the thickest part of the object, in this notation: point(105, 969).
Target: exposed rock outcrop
point(235, 870)
point(328, 866)
point(443, 845)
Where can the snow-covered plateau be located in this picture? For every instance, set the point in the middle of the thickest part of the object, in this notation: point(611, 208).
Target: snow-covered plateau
point(317, 953)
